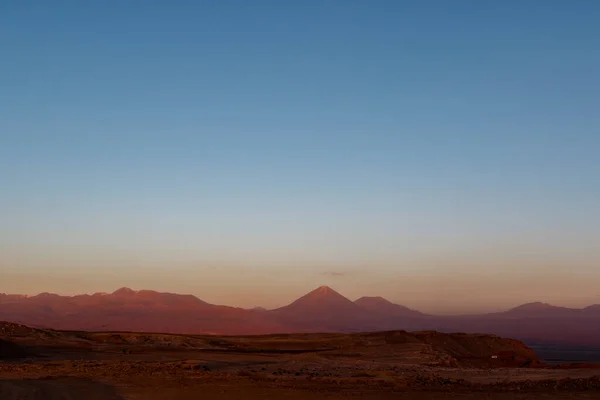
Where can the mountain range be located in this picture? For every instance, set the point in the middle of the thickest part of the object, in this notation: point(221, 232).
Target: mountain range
point(322, 310)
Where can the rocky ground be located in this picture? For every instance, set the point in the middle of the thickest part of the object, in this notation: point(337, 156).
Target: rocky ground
point(389, 365)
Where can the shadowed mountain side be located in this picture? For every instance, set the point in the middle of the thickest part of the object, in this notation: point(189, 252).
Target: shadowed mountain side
point(538, 309)
point(582, 330)
point(382, 306)
point(593, 309)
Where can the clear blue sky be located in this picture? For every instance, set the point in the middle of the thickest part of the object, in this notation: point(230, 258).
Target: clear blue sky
point(246, 151)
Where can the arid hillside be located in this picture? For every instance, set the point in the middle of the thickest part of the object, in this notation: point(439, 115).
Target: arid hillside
point(400, 347)
point(47, 364)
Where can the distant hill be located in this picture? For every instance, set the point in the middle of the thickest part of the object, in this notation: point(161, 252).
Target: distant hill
point(414, 348)
point(129, 310)
point(326, 310)
point(538, 309)
point(321, 310)
point(385, 307)
point(594, 308)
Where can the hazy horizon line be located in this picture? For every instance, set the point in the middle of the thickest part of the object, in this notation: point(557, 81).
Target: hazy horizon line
point(26, 295)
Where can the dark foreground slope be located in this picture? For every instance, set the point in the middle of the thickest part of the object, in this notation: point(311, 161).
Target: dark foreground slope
point(10, 350)
point(399, 347)
point(72, 365)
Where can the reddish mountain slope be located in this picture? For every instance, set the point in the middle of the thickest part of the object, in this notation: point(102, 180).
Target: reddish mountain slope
point(382, 306)
point(324, 309)
point(141, 311)
point(9, 298)
point(322, 300)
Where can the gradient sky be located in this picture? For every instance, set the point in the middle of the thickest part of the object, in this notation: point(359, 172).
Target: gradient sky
point(442, 154)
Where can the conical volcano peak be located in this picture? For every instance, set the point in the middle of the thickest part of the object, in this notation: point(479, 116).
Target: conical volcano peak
point(322, 304)
point(323, 296)
point(323, 292)
point(324, 289)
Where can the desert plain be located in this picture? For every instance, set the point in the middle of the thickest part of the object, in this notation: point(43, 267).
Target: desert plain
point(69, 365)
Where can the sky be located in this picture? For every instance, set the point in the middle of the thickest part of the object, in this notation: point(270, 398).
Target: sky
point(444, 155)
